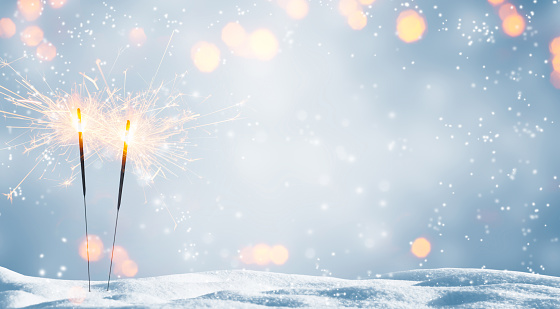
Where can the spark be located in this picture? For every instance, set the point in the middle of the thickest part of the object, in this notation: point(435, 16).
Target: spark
point(51, 123)
point(158, 139)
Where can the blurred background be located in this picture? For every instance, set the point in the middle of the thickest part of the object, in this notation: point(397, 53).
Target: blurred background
point(372, 137)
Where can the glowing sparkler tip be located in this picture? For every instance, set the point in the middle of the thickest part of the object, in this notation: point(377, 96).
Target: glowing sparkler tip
point(79, 121)
point(127, 132)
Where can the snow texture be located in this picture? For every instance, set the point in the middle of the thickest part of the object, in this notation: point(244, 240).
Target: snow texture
point(460, 288)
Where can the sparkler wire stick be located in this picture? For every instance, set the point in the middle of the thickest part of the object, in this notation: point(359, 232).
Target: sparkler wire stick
point(82, 159)
point(123, 166)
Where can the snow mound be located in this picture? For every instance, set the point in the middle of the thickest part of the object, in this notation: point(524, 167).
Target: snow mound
point(461, 288)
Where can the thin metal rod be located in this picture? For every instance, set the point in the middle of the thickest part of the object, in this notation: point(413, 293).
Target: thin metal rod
point(82, 163)
point(87, 245)
point(113, 251)
point(123, 169)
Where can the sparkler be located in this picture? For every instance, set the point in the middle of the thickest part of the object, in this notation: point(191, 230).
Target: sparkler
point(81, 141)
point(54, 122)
point(123, 167)
point(159, 131)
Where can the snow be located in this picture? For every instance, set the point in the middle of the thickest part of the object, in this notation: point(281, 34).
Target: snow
point(461, 288)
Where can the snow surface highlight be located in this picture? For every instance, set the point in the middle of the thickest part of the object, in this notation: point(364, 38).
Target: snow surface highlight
point(461, 288)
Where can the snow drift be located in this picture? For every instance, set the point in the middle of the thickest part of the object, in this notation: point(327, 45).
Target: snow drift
point(462, 288)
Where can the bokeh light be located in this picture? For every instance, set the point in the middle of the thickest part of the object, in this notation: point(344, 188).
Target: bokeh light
point(297, 9)
point(555, 79)
point(506, 10)
point(264, 44)
point(555, 46)
point(95, 248)
point(357, 20)
point(30, 9)
point(119, 255)
point(7, 28)
point(129, 268)
point(556, 63)
point(421, 247)
point(347, 7)
point(496, 2)
point(246, 255)
point(410, 26)
point(233, 35)
point(514, 25)
point(57, 4)
point(137, 36)
point(279, 255)
point(261, 254)
point(123, 265)
point(32, 36)
point(205, 56)
point(366, 2)
point(46, 51)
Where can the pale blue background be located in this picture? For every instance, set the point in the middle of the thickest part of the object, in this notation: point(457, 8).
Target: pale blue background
point(347, 148)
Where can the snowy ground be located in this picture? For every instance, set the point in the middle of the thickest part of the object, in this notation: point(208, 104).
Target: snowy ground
point(462, 288)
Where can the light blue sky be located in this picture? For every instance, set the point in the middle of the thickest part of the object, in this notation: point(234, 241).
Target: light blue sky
point(350, 144)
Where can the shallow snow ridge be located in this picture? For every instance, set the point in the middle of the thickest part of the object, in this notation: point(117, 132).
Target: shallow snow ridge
point(463, 288)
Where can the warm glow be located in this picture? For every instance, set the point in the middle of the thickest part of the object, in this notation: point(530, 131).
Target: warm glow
point(30, 9)
point(79, 126)
point(366, 2)
point(357, 20)
point(279, 254)
point(46, 51)
point(233, 35)
point(7, 28)
point(507, 10)
point(78, 118)
point(32, 36)
point(206, 56)
point(129, 268)
point(264, 44)
point(496, 2)
point(555, 46)
point(347, 7)
point(137, 36)
point(297, 9)
point(119, 255)
point(514, 25)
point(122, 264)
point(95, 248)
point(246, 255)
point(410, 26)
point(556, 63)
point(57, 4)
point(76, 295)
point(127, 133)
point(261, 254)
point(555, 79)
point(421, 247)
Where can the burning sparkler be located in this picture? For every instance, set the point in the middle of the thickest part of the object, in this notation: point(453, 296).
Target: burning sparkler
point(81, 142)
point(156, 127)
point(123, 167)
point(55, 122)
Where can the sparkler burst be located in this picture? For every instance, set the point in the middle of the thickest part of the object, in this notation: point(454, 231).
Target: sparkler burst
point(51, 122)
point(158, 137)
